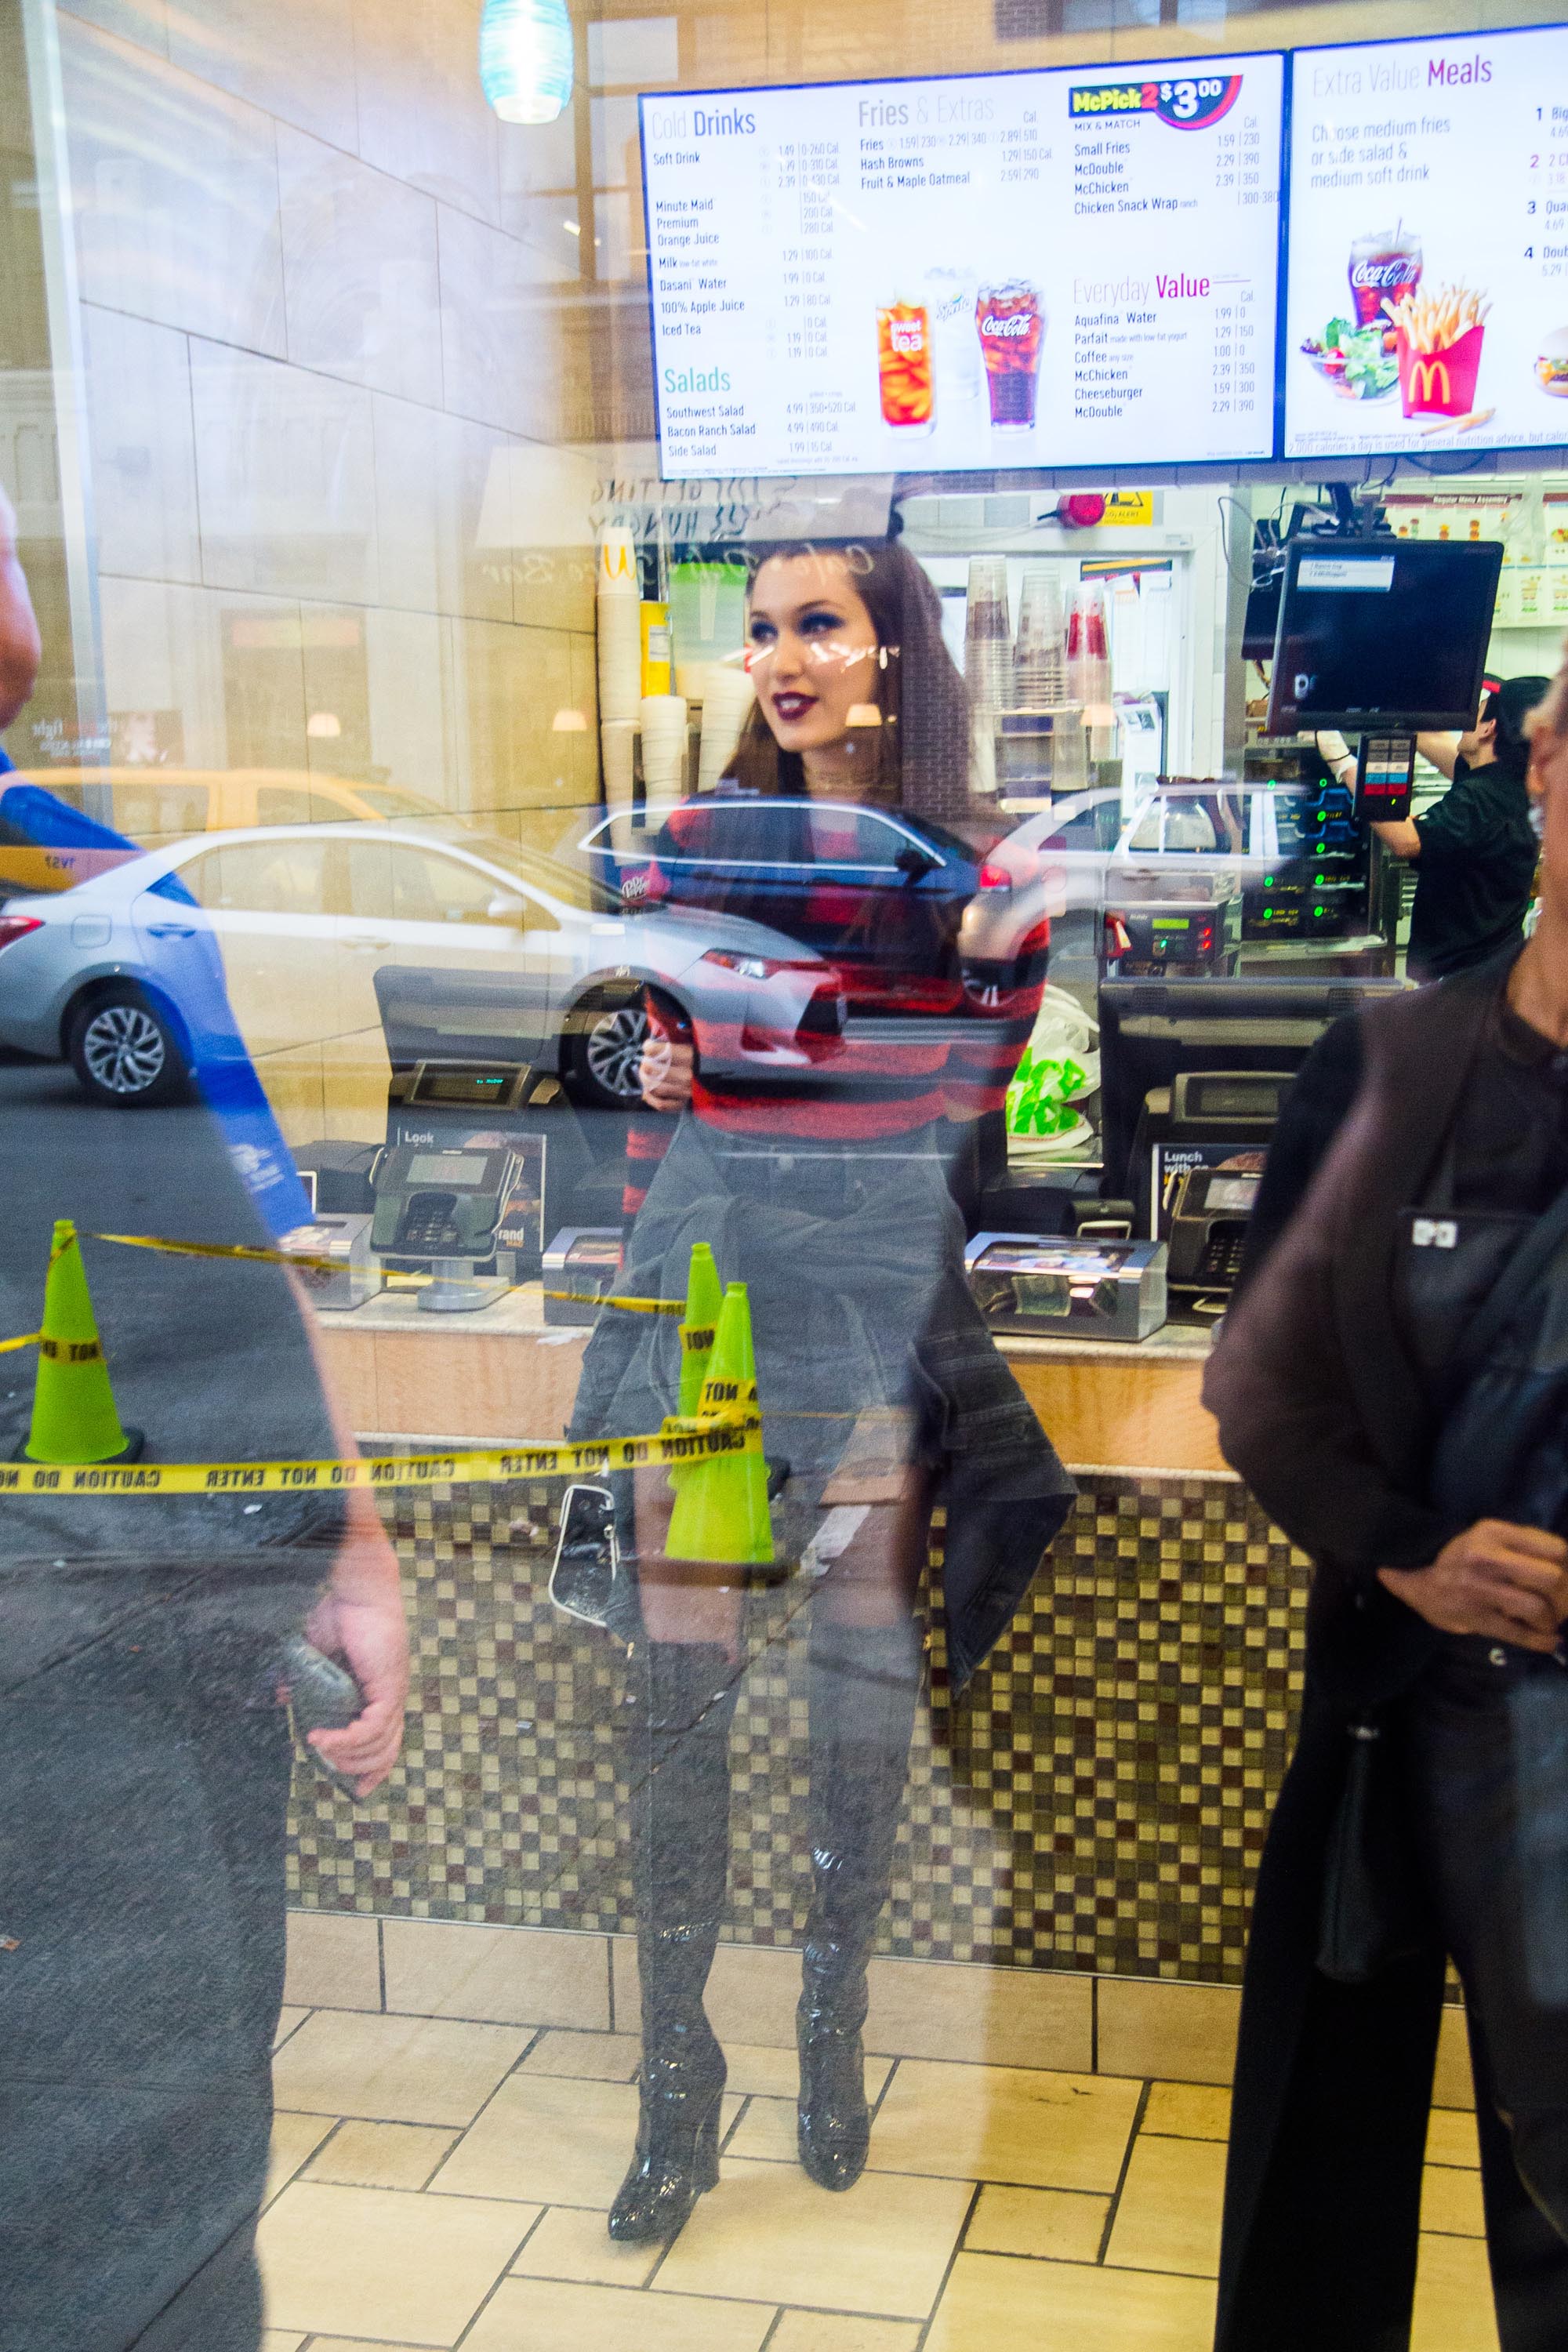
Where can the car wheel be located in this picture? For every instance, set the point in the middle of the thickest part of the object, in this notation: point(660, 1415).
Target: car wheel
point(125, 1052)
point(606, 1056)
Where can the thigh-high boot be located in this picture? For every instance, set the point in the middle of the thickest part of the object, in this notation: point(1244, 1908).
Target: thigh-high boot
point(680, 1707)
point(863, 1683)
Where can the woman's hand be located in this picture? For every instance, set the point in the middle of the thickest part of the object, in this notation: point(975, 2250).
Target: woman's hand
point(1507, 1583)
point(665, 1073)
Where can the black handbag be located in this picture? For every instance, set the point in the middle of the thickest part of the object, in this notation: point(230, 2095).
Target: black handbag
point(1500, 1433)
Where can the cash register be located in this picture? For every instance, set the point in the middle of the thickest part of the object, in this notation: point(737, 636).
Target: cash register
point(1057, 1287)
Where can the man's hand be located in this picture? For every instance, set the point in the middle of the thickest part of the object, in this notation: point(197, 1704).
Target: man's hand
point(359, 1620)
point(665, 1073)
point(369, 1636)
point(1505, 1583)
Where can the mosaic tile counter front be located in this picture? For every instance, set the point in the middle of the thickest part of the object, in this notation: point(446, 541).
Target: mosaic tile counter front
point(1096, 1800)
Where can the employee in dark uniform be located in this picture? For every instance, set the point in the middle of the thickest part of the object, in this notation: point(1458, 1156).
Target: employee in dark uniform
point(1476, 850)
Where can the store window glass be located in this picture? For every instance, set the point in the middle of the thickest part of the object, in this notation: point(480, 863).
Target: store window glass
point(284, 804)
point(275, 877)
point(782, 1032)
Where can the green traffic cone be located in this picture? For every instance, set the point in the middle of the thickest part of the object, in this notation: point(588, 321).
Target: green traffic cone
point(698, 1326)
point(722, 1503)
point(74, 1415)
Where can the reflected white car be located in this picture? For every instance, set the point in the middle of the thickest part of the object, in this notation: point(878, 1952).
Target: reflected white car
point(909, 911)
point(330, 933)
point(1078, 854)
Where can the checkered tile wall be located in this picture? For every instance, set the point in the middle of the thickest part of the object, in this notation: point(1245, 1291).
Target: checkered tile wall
point(1097, 1799)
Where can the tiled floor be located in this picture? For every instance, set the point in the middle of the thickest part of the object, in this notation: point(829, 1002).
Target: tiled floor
point(442, 2183)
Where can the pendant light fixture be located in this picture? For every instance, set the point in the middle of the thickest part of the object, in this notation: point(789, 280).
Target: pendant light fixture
point(525, 58)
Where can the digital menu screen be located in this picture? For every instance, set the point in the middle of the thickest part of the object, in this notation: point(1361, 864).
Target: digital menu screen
point(1066, 268)
point(1428, 246)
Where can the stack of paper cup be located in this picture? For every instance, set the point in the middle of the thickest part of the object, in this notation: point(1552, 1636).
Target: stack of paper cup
point(1039, 649)
point(1088, 667)
point(618, 606)
point(987, 637)
point(664, 745)
point(726, 698)
point(618, 748)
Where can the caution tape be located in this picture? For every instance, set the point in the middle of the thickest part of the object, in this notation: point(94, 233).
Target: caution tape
point(303, 1263)
point(300, 1258)
point(679, 1442)
point(221, 1249)
point(626, 1306)
point(573, 1297)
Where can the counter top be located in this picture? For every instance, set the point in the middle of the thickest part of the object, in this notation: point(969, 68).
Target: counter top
point(518, 1313)
point(503, 1373)
point(1172, 1343)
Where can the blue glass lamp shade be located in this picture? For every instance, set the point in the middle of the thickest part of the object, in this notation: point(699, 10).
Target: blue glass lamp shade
point(525, 58)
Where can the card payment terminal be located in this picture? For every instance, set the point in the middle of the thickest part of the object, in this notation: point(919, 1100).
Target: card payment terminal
point(1208, 1227)
point(431, 1203)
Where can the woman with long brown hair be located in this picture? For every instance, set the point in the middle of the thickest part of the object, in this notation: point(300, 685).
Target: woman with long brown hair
point(825, 1192)
point(888, 717)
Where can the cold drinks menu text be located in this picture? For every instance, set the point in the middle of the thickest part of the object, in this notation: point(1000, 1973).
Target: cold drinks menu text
point(1428, 246)
point(1066, 269)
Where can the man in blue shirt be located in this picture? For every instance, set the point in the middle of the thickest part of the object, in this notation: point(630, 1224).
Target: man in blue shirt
point(144, 1765)
point(21, 648)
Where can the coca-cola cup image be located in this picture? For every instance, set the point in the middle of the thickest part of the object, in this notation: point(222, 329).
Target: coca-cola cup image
point(1011, 322)
point(1384, 267)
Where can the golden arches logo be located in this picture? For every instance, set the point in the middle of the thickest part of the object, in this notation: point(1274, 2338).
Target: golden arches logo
point(1425, 376)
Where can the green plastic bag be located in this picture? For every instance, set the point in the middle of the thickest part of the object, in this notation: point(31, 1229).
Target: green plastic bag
point(1039, 1099)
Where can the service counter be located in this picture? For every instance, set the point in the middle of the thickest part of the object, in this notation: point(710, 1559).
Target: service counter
point(1139, 1407)
point(491, 1376)
point(504, 1374)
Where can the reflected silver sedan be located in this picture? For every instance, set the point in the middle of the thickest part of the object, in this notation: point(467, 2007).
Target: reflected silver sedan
point(383, 944)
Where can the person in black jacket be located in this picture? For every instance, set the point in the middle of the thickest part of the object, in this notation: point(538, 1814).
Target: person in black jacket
point(1475, 850)
point(1421, 1142)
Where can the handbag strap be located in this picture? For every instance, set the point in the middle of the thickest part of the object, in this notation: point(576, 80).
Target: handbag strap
point(1529, 1261)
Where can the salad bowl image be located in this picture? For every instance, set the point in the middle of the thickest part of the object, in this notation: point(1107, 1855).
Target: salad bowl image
point(1354, 360)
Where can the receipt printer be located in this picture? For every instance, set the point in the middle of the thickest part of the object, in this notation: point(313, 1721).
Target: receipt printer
point(1056, 1288)
point(584, 1258)
point(351, 1275)
point(431, 1203)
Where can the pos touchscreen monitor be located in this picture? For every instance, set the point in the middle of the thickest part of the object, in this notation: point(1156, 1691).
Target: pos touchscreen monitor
point(1388, 634)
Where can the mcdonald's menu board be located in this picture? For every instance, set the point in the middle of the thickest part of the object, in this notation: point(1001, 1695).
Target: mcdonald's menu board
point(1427, 257)
point(1064, 268)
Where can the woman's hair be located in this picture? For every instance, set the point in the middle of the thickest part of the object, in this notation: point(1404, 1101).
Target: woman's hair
point(920, 751)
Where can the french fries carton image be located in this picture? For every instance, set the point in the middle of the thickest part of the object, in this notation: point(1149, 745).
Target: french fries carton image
point(1437, 343)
